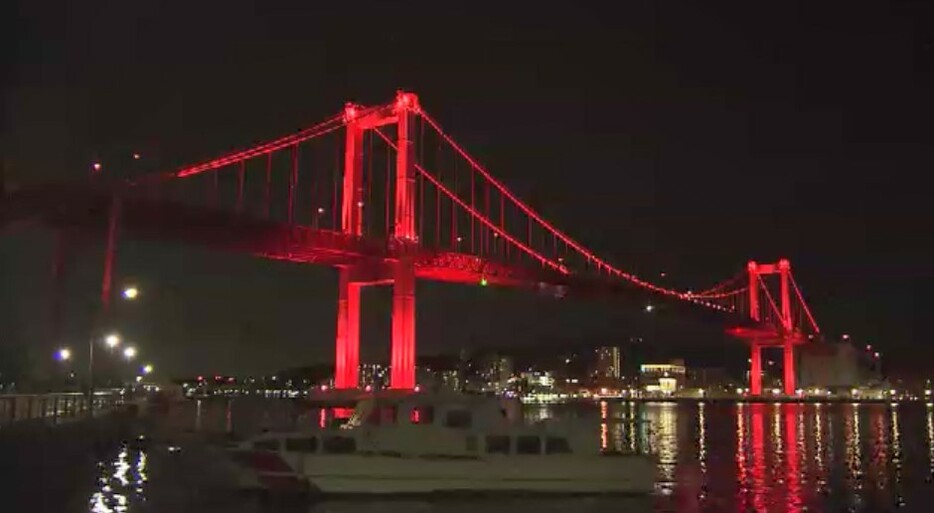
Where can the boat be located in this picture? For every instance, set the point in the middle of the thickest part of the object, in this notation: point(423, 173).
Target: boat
point(421, 443)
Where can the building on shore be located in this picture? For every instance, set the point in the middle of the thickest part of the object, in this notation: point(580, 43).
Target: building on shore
point(662, 378)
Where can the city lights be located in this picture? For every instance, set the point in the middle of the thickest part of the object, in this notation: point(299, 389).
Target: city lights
point(130, 293)
point(112, 340)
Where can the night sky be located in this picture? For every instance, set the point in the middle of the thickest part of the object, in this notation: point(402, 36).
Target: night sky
point(685, 137)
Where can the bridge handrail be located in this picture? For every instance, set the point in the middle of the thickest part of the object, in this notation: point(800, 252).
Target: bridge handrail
point(53, 408)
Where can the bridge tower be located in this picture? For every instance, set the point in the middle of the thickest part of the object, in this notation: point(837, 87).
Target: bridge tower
point(787, 336)
point(401, 272)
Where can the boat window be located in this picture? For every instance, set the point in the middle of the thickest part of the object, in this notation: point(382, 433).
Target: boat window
point(497, 444)
point(388, 414)
point(458, 419)
point(528, 445)
point(266, 445)
point(301, 444)
point(422, 415)
point(339, 445)
point(557, 445)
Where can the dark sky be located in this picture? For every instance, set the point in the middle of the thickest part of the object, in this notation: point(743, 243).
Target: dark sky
point(680, 136)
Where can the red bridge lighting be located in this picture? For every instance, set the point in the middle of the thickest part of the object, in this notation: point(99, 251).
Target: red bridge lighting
point(386, 196)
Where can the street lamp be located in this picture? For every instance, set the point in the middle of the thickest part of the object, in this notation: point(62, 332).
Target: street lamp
point(130, 293)
point(63, 354)
point(147, 369)
point(649, 308)
point(129, 353)
point(112, 340)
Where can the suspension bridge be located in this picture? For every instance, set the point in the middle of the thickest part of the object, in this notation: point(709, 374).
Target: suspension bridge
point(387, 197)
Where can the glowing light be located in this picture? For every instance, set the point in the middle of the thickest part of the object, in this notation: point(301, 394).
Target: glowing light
point(460, 239)
point(136, 156)
point(360, 204)
point(63, 354)
point(868, 347)
point(483, 282)
point(649, 308)
point(368, 388)
point(320, 210)
point(876, 354)
point(96, 166)
point(129, 353)
point(139, 378)
point(130, 292)
point(418, 388)
point(324, 388)
point(350, 112)
point(846, 337)
point(147, 369)
point(112, 340)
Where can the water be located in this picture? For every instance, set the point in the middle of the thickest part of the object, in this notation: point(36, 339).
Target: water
point(714, 457)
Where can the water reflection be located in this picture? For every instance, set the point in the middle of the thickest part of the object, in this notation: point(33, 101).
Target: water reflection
point(930, 424)
point(121, 482)
point(663, 417)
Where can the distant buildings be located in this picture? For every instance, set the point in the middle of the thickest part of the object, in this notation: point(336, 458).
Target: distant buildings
point(608, 364)
point(496, 372)
point(833, 365)
point(374, 375)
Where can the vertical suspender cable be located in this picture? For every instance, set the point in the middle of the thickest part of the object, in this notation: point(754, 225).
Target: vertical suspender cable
point(389, 230)
point(293, 183)
point(369, 182)
point(439, 167)
point(267, 192)
point(502, 225)
point(473, 193)
point(454, 209)
point(335, 178)
point(488, 233)
point(421, 183)
point(241, 176)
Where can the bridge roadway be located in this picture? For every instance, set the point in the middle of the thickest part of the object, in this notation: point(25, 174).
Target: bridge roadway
point(85, 210)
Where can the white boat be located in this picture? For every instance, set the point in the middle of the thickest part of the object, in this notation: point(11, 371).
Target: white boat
point(425, 444)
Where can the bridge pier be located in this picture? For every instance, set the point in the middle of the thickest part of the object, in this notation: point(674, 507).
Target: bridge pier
point(402, 361)
point(347, 350)
point(755, 369)
point(788, 366)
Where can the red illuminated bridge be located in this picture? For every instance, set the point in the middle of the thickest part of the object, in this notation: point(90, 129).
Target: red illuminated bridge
point(387, 197)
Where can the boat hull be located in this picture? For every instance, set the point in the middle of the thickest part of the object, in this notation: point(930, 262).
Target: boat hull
point(363, 475)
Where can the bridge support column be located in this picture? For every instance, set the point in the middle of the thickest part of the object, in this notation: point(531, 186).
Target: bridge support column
point(402, 375)
point(755, 369)
point(789, 368)
point(347, 350)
